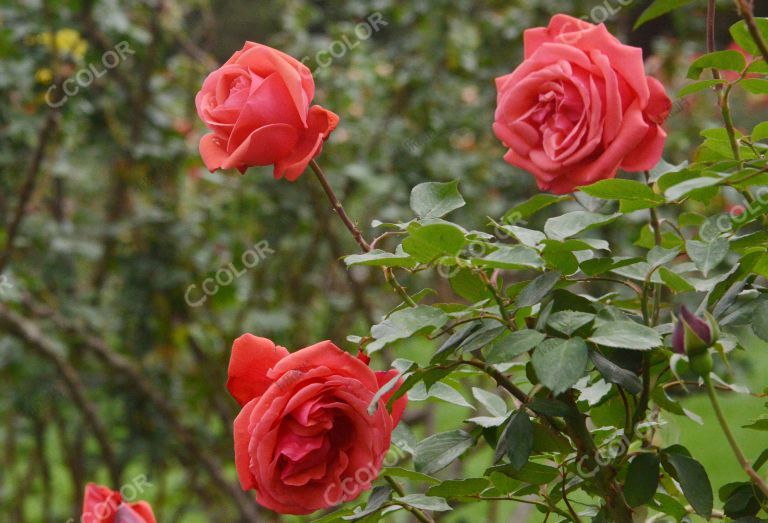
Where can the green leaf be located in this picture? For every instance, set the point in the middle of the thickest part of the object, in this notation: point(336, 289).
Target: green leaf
point(569, 322)
point(559, 364)
point(723, 60)
point(412, 475)
point(376, 501)
point(381, 258)
point(440, 450)
point(529, 237)
point(493, 403)
point(707, 255)
point(373, 406)
point(441, 391)
point(640, 194)
point(430, 242)
point(434, 199)
point(760, 321)
point(515, 257)
point(642, 479)
point(532, 473)
point(626, 335)
point(613, 373)
point(696, 87)
point(741, 35)
point(755, 85)
point(512, 345)
point(659, 8)
point(675, 282)
point(456, 488)
point(760, 423)
point(693, 480)
point(406, 323)
point(669, 506)
point(760, 132)
point(684, 188)
point(424, 502)
point(573, 223)
point(469, 286)
point(519, 439)
point(537, 289)
point(532, 206)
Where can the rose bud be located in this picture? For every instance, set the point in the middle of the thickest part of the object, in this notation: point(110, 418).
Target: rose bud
point(694, 336)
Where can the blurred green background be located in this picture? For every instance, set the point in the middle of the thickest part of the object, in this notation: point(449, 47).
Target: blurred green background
point(109, 367)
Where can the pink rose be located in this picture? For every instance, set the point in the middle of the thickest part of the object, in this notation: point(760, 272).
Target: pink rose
point(102, 505)
point(579, 107)
point(304, 438)
point(257, 107)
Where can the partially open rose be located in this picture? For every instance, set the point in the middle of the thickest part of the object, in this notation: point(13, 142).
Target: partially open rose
point(257, 106)
point(579, 107)
point(304, 438)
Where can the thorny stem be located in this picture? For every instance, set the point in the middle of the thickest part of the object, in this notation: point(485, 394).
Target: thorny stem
point(650, 320)
point(338, 208)
point(754, 476)
point(498, 297)
point(725, 108)
point(618, 511)
point(711, 9)
point(573, 512)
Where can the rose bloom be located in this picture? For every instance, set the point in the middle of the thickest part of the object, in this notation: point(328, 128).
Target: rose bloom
point(579, 107)
point(304, 439)
point(257, 106)
point(102, 505)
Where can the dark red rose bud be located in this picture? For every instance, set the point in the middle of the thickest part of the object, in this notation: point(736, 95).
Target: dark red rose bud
point(694, 336)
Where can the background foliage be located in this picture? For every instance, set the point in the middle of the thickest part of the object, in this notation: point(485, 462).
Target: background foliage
point(107, 372)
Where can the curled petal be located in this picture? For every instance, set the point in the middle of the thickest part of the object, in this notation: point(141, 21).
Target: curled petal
point(249, 366)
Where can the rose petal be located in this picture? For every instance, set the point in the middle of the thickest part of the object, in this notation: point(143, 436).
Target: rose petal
point(326, 354)
point(320, 123)
point(398, 407)
point(100, 504)
point(263, 146)
point(212, 150)
point(249, 366)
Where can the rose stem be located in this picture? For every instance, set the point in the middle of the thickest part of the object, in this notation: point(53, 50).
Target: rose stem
point(420, 515)
point(731, 439)
point(356, 234)
point(711, 9)
point(389, 275)
point(746, 12)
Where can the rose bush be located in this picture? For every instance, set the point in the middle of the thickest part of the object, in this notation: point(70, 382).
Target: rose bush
point(579, 107)
point(304, 439)
point(257, 106)
point(103, 505)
